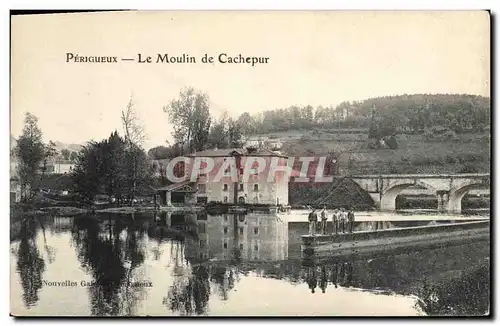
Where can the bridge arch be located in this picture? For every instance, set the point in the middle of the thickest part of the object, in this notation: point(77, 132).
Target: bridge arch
point(388, 198)
point(458, 192)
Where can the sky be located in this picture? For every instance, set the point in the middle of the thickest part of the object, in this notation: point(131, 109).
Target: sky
point(315, 58)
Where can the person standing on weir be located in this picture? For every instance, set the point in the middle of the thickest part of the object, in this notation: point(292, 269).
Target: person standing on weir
point(323, 220)
point(313, 219)
point(343, 220)
point(335, 221)
point(350, 219)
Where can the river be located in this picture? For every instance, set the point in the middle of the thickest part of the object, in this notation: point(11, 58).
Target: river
point(233, 265)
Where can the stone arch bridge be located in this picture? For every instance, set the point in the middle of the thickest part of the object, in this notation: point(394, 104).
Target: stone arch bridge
point(449, 188)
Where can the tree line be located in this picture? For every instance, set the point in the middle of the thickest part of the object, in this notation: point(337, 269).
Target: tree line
point(405, 113)
point(433, 115)
point(32, 155)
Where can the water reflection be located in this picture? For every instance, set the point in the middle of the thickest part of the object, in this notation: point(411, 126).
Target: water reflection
point(30, 264)
point(199, 261)
point(110, 252)
point(324, 275)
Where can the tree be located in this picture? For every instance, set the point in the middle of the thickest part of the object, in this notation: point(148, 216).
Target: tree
point(105, 167)
point(383, 127)
point(31, 152)
point(218, 134)
point(132, 127)
point(65, 153)
point(134, 139)
point(246, 123)
point(73, 156)
point(113, 166)
point(49, 151)
point(85, 174)
point(234, 134)
point(190, 118)
point(201, 126)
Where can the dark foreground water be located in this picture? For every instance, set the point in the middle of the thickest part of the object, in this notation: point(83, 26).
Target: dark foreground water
point(230, 265)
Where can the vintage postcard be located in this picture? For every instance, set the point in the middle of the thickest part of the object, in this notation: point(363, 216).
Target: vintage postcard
point(250, 163)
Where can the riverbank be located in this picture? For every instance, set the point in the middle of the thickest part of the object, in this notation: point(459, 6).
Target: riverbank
point(150, 209)
point(17, 212)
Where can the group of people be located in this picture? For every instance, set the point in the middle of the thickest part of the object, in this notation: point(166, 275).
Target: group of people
point(342, 220)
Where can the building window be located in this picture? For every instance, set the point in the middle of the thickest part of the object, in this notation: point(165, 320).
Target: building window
point(225, 218)
point(256, 187)
point(241, 186)
point(225, 244)
point(256, 247)
point(241, 231)
point(241, 246)
point(241, 170)
point(225, 187)
point(202, 188)
point(225, 199)
point(256, 231)
point(202, 243)
point(225, 230)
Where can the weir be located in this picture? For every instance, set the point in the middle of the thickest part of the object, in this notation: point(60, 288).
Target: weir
point(397, 238)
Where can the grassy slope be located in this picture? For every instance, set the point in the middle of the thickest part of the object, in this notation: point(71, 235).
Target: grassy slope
point(415, 154)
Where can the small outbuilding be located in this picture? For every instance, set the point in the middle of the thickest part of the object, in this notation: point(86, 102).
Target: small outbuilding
point(177, 193)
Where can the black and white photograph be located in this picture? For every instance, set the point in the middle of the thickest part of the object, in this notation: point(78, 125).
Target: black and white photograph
point(250, 163)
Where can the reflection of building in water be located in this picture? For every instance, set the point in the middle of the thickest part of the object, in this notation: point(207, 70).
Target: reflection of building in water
point(196, 244)
point(250, 236)
point(254, 236)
